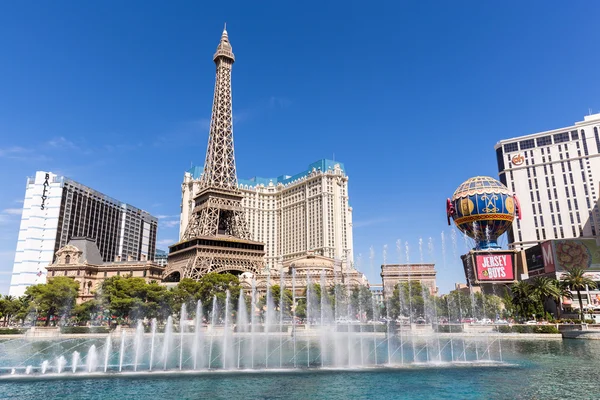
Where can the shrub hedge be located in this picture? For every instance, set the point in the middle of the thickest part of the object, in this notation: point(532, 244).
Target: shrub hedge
point(527, 329)
point(12, 331)
point(84, 329)
point(449, 328)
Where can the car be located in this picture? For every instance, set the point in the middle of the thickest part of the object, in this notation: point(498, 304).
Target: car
point(420, 321)
point(501, 322)
point(531, 322)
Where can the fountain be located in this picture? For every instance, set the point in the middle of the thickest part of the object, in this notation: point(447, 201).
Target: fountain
point(342, 329)
point(75, 360)
point(91, 359)
point(198, 335)
point(44, 366)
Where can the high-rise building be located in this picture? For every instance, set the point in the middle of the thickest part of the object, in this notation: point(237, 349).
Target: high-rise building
point(292, 215)
point(57, 209)
point(556, 178)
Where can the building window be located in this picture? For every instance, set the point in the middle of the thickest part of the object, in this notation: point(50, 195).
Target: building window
point(544, 140)
point(561, 137)
point(583, 139)
point(511, 147)
point(527, 144)
point(68, 259)
point(574, 135)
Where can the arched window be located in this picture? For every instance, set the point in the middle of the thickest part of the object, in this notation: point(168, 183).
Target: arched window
point(68, 259)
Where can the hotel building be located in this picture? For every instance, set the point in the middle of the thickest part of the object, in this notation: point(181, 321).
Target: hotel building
point(57, 209)
point(291, 215)
point(556, 178)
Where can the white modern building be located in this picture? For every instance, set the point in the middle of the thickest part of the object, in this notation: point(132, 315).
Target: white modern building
point(291, 215)
point(57, 209)
point(556, 178)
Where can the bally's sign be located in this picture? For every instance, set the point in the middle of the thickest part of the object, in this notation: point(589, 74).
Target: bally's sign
point(495, 267)
point(46, 185)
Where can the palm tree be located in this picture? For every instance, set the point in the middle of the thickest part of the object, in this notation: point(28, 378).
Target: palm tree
point(563, 293)
point(577, 281)
point(522, 297)
point(543, 288)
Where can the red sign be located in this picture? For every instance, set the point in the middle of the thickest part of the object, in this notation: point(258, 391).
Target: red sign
point(495, 267)
point(548, 255)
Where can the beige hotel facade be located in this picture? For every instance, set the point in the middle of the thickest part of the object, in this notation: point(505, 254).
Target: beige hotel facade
point(291, 215)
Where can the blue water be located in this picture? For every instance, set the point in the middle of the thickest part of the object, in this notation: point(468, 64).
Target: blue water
point(541, 369)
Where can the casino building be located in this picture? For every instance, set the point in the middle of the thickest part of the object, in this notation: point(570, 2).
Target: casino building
point(556, 177)
point(552, 259)
point(57, 209)
point(291, 214)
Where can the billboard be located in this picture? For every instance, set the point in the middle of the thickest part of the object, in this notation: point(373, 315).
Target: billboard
point(582, 253)
point(495, 267)
point(535, 260)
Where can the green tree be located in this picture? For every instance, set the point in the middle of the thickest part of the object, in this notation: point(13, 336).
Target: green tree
point(509, 307)
point(362, 303)
point(186, 292)
point(9, 307)
point(123, 296)
point(524, 299)
point(460, 306)
point(408, 300)
point(216, 285)
point(563, 292)
point(86, 311)
point(129, 298)
point(23, 305)
point(488, 305)
point(576, 280)
point(275, 291)
point(542, 289)
point(53, 298)
point(158, 301)
point(336, 297)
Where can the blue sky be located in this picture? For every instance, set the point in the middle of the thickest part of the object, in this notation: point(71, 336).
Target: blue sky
point(411, 97)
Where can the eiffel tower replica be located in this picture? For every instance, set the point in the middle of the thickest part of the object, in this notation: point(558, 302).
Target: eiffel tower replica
point(217, 238)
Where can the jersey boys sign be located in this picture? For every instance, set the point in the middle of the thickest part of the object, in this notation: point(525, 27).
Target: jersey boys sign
point(495, 267)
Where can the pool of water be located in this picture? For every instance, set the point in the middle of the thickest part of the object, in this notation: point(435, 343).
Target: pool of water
point(544, 369)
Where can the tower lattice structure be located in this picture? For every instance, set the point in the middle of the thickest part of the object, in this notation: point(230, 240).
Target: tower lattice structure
point(217, 238)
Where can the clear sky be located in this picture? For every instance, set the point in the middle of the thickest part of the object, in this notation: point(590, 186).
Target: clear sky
point(410, 96)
